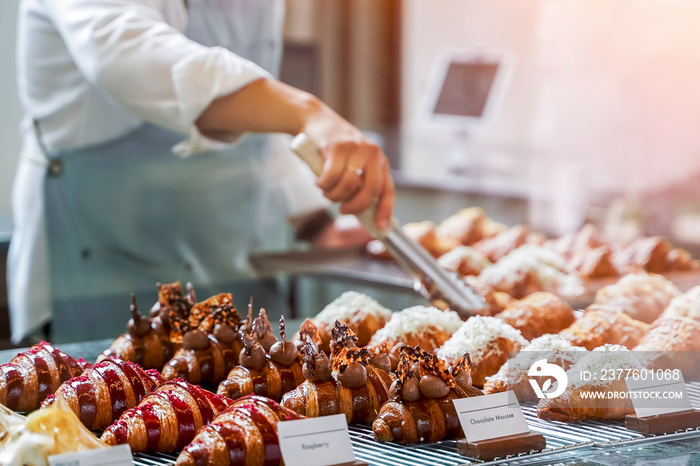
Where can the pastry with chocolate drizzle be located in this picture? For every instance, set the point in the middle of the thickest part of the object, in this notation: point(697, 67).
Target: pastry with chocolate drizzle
point(348, 384)
point(210, 341)
point(147, 341)
point(270, 373)
point(421, 408)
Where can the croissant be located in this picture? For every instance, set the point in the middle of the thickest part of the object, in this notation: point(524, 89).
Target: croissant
point(531, 268)
point(350, 385)
point(361, 313)
point(499, 246)
point(427, 327)
point(147, 341)
point(594, 263)
point(210, 342)
point(643, 296)
point(244, 433)
point(465, 227)
point(488, 341)
point(685, 305)
point(656, 255)
point(587, 238)
point(464, 260)
point(35, 374)
point(601, 325)
point(269, 374)
point(421, 409)
point(102, 393)
point(597, 399)
point(672, 343)
point(513, 375)
point(167, 419)
point(538, 314)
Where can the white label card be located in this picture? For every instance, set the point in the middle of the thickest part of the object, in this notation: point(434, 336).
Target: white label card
point(113, 456)
point(491, 416)
point(653, 396)
point(320, 441)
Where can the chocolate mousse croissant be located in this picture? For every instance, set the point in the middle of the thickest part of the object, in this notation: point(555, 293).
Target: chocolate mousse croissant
point(267, 373)
point(349, 384)
point(421, 408)
point(147, 340)
point(210, 342)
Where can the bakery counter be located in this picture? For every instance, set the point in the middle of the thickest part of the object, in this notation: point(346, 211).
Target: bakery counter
point(583, 443)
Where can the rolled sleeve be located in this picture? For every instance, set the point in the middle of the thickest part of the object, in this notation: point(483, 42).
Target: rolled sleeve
point(128, 49)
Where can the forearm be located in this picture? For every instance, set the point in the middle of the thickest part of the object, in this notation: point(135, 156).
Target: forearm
point(263, 106)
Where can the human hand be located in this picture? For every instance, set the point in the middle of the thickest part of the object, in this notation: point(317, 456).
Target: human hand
point(356, 173)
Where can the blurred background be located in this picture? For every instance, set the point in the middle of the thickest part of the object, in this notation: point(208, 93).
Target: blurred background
point(594, 117)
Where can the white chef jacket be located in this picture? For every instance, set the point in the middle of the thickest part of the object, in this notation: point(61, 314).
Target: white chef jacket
point(73, 79)
point(88, 72)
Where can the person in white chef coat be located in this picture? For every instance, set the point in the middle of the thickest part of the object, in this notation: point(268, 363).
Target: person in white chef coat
point(143, 158)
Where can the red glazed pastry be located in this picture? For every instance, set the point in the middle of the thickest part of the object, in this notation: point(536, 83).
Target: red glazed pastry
point(102, 393)
point(244, 434)
point(166, 419)
point(32, 376)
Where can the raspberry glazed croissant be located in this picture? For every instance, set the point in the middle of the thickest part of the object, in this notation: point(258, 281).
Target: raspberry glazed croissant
point(270, 374)
point(147, 340)
point(351, 384)
point(167, 419)
point(421, 408)
point(243, 434)
point(210, 342)
point(102, 393)
point(35, 374)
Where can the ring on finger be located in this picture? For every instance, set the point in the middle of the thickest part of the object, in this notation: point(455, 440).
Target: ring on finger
point(358, 171)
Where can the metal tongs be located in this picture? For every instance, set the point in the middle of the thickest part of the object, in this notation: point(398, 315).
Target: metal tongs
point(431, 279)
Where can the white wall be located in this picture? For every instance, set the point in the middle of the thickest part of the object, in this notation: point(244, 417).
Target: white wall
point(10, 112)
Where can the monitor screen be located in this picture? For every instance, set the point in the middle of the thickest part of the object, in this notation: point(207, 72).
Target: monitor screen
point(466, 88)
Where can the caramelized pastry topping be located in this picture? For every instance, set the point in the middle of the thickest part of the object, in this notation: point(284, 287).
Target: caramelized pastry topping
point(138, 326)
point(263, 330)
point(195, 340)
point(342, 337)
point(283, 352)
point(431, 379)
point(461, 370)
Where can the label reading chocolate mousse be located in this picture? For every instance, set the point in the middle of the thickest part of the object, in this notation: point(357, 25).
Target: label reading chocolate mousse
point(321, 441)
point(491, 416)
